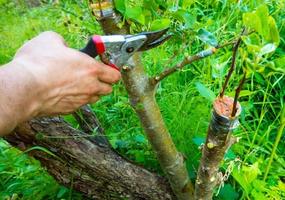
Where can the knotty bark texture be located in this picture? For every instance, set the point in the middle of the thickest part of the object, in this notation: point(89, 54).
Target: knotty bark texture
point(219, 140)
point(81, 162)
point(141, 91)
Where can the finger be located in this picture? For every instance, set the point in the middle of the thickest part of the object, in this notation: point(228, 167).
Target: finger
point(51, 37)
point(94, 99)
point(103, 89)
point(106, 73)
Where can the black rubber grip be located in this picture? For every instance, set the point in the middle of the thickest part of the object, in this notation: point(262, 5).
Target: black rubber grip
point(90, 49)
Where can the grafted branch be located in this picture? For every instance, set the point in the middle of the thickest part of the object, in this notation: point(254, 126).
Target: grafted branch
point(219, 140)
point(219, 137)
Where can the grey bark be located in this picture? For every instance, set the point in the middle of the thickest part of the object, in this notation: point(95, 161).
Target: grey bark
point(94, 169)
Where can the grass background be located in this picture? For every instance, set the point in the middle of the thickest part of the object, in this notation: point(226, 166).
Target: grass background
point(185, 106)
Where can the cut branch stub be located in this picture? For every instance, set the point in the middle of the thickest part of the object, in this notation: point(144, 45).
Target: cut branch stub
point(219, 140)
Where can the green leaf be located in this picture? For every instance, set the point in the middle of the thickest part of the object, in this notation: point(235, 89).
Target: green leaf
point(218, 69)
point(120, 5)
point(243, 93)
point(150, 4)
point(246, 175)
point(269, 48)
point(160, 24)
point(251, 20)
point(263, 23)
point(136, 14)
point(61, 192)
point(274, 33)
point(263, 14)
point(230, 154)
point(140, 138)
point(205, 92)
point(185, 17)
point(207, 37)
point(280, 62)
point(279, 65)
point(228, 193)
point(198, 140)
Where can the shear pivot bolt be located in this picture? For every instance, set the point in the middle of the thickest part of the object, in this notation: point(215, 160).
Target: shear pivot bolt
point(130, 49)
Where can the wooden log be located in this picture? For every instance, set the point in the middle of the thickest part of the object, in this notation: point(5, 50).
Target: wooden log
point(94, 169)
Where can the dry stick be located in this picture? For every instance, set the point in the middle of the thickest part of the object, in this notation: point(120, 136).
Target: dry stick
point(141, 93)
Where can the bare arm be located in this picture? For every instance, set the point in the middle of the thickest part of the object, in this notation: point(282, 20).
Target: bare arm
point(48, 78)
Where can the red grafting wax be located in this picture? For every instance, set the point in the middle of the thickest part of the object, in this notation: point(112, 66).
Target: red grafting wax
point(224, 106)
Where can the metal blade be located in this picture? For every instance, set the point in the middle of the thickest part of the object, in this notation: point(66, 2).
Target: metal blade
point(155, 43)
point(154, 39)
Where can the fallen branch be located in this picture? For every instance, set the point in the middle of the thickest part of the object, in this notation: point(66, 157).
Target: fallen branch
point(77, 158)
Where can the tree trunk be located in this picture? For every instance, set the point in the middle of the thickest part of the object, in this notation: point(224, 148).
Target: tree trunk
point(219, 140)
point(77, 159)
point(141, 90)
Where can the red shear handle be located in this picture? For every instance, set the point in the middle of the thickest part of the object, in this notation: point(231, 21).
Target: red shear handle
point(94, 47)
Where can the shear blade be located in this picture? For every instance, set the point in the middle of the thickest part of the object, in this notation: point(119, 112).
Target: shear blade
point(154, 39)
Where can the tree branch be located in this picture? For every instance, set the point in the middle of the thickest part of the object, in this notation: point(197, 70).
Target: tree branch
point(199, 56)
point(187, 60)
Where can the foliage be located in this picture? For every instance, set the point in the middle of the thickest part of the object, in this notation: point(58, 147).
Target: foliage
point(185, 98)
point(23, 178)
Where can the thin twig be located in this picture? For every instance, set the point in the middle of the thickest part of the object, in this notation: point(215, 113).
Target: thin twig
point(232, 68)
point(233, 64)
point(234, 111)
point(187, 60)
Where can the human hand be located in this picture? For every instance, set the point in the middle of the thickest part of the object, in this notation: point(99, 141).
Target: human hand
point(60, 79)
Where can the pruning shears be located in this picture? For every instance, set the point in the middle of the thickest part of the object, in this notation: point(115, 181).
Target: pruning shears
point(115, 50)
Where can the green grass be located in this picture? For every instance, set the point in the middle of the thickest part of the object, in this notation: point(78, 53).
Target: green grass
point(185, 111)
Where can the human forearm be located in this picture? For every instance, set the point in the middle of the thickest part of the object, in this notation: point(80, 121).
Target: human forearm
point(17, 103)
point(47, 78)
